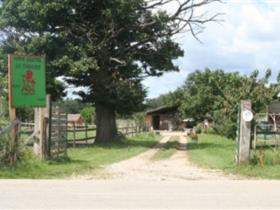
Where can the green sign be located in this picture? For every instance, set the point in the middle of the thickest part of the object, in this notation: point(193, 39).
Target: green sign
point(28, 81)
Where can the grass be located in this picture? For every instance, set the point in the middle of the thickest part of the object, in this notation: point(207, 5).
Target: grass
point(81, 160)
point(167, 150)
point(216, 152)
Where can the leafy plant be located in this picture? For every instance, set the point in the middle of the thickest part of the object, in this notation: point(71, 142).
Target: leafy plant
point(9, 153)
point(194, 136)
point(88, 114)
point(216, 94)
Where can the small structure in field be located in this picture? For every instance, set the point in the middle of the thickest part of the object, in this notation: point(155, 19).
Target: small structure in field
point(274, 107)
point(75, 120)
point(161, 118)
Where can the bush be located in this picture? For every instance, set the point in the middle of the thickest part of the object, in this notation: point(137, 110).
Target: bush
point(212, 131)
point(198, 129)
point(226, 128)
point(9, 153)
point(194, 136)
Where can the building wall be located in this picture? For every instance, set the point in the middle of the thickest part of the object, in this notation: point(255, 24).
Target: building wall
point(165, 122)
point(148, 122)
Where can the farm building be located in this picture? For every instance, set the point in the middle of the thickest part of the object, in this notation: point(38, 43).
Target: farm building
point(274, 107)
point(161, 118)
point(75, 119)
point(274, 113)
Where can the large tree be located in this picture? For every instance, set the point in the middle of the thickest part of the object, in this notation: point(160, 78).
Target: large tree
point(106, 46)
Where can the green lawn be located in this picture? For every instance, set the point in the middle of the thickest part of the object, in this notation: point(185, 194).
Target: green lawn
point(81, 160)
point(213, 151)
point(167, 150)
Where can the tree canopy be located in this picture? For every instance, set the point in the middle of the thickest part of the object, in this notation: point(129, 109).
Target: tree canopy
point(215, 95)
point(106, 46)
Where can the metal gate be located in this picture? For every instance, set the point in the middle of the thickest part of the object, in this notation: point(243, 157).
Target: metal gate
point(57, 139)
point(266, 130)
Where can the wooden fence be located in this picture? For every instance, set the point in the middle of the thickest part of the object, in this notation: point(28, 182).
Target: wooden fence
point(81, 134)
point(85, 134)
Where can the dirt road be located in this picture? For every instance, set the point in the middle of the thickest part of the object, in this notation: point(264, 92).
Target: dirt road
point(176, 167)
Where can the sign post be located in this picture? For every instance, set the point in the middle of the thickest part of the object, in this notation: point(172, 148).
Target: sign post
point(27, 88)
point(12, 114)
point(244, 132)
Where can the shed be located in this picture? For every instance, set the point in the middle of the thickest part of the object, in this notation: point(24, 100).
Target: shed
point(75, 119)
point(274, 107)
point(161, 118)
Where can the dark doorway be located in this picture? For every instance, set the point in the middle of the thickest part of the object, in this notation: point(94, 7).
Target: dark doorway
point(156, 120)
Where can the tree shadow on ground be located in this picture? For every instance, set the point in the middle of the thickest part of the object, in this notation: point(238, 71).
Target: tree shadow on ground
point(126, 144)
point(118, 144)
point(67, 160)
point(201, 146)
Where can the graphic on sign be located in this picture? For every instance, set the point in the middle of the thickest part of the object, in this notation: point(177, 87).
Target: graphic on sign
point(28, 82)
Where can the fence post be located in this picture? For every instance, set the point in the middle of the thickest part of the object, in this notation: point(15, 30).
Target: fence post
point(74, 134)
point(42, 134)
point(49, 113)
point(47, 127)
point(86, 134)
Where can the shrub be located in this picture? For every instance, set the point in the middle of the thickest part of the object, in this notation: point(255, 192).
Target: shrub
point(212, 131)
point(198, 129)
point(9, 153)
point(194, 136)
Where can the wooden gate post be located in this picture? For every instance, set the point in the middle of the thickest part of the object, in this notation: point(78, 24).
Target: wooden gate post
point(47, 130)
point(36, 146)
point(39, 146)
point(41, 120)
point(244, 132)
point(42, 133)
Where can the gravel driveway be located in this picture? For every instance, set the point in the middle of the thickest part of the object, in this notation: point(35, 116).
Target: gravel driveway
point(176, 167)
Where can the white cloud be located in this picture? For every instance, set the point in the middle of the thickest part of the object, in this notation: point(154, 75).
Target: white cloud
point(248, 39)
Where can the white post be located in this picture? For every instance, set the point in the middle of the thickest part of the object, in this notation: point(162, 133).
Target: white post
point(244, 137)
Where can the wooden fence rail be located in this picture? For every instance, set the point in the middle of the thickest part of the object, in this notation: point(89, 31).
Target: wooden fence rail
point(86, 135)
point(83, 135)
point(80, 135)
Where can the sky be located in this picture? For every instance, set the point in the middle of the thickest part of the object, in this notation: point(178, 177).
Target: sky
point(248, 38)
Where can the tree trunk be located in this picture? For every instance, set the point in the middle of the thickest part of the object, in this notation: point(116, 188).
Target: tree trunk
point(106, 129)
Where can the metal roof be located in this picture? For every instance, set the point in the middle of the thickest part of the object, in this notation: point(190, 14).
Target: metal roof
point(274, 107)
point(162, 109)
